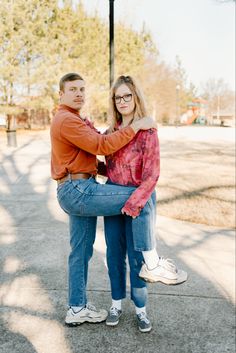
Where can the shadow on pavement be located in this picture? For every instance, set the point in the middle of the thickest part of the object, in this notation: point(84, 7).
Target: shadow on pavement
point(194, 317)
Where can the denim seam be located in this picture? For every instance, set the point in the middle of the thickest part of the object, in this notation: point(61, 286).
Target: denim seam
point(144, 249)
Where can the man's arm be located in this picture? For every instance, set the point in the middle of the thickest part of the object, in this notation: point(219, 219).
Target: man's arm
point(83, 136)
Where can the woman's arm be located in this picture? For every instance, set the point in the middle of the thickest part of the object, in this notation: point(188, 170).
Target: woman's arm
point(150, 175)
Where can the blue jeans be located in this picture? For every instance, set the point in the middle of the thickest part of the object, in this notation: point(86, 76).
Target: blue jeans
point(119, 240)
point(83, 200)
point(143, 228)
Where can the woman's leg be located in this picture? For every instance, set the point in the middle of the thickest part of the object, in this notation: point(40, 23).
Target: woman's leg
point(155, 269)
point(116, 262)
point(116, 255)
point(138, 286)
point(151, 258)
point(144, 230)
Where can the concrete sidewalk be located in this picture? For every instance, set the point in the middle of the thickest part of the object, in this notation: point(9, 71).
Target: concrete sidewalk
point(196, 317)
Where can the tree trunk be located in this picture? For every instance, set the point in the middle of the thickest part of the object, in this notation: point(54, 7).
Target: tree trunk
point(11, 131)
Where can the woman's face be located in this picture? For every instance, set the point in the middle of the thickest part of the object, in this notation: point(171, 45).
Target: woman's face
point(124, 100)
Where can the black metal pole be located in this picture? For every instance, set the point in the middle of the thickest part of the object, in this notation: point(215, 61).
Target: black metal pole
point(111, 41)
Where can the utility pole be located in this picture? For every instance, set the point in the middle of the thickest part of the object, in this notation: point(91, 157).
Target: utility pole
point(218, 108)
point(177, 114)
point(111, 41)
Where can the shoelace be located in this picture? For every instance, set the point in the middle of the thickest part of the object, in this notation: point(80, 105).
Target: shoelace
point(168, 264)
point(91, 307)
point(142, 317)
point(114, 311)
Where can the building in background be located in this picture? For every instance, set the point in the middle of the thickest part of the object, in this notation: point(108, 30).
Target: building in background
point(196, 112)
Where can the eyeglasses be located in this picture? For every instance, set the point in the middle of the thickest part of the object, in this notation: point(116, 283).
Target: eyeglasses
point(126, 98)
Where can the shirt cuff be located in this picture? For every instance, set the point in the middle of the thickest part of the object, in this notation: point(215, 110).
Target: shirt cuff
point(133, 211)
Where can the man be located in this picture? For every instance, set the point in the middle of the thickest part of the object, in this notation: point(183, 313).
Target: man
point(74, 146)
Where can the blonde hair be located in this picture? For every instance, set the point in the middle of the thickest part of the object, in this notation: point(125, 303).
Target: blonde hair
point(140, 110)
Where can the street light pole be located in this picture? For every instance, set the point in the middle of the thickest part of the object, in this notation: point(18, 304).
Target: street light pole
point(111, 41)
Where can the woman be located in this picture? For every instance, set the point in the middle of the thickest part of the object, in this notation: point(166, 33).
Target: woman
point(136, 164)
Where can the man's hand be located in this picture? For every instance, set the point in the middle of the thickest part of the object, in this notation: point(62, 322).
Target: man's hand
point(144, 124)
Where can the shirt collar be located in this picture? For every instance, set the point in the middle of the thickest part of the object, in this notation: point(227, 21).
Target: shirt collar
point(65, 107)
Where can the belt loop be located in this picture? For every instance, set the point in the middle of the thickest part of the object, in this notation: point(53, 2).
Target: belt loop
point(69, 176)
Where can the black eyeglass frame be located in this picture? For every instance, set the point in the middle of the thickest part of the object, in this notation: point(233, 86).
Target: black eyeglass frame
point(126, 98)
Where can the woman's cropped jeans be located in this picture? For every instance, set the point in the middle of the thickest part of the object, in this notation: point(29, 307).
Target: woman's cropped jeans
point(83, 200)
point(119, 241)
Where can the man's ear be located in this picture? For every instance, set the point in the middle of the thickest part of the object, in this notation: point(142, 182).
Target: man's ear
point(60, 93)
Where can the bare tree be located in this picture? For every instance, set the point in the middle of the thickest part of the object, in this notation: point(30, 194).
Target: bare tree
point(219, 96)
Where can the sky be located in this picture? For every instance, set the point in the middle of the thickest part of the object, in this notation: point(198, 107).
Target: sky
point(200, 32)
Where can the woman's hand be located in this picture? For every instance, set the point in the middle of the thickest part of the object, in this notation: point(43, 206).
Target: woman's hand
point(127, 214)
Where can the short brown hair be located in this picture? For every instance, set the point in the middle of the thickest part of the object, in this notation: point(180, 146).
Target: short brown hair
point(68, 77)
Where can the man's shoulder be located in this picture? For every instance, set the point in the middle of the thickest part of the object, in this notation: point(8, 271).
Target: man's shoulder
point(63, 113)
point(62, 116)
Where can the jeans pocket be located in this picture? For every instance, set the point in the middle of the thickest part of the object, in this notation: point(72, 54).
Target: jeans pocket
point(60, 192)
point(71, 197)
point(81, 184)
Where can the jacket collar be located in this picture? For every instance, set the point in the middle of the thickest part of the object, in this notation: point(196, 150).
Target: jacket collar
point(65, 107)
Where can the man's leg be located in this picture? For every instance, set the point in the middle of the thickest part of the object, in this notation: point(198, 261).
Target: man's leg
point(89, 198)
point(82, 236)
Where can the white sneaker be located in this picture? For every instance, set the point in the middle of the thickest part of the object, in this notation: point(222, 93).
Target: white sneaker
point(165, 272)
point(88, 314)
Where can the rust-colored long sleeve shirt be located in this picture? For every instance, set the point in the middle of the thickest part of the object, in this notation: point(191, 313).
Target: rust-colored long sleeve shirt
point(75, 143)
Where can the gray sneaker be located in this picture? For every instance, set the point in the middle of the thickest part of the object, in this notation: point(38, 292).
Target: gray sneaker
point(88, 314)
point(113, 316)
point(144, 323)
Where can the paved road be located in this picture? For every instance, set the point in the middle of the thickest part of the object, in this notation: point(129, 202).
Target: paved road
point(196, 317)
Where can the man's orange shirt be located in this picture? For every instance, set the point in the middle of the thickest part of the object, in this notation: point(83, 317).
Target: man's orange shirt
point(75, 143)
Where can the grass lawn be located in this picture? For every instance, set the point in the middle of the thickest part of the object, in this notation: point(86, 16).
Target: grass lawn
point(197, 181)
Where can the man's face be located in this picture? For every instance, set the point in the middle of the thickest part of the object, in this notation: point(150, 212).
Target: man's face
point(74, 94)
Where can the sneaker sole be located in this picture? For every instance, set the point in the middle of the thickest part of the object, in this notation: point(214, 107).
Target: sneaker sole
point(181, 279)
point(112, 323)
point(91, 321)
point(145, 329)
